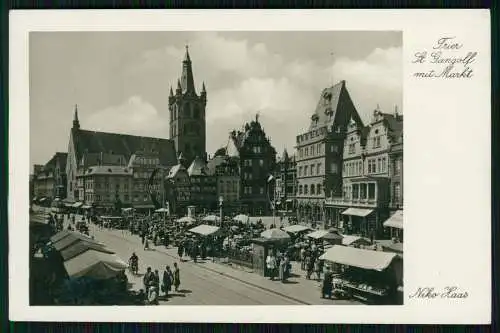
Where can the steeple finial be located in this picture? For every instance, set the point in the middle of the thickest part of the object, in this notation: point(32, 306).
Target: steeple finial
point(203, 89)
point(257, 115)
point(179, 88)
point(187, 80)
point(76, 122)
point(171, 92)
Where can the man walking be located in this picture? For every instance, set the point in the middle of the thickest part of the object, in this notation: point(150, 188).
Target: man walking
point(271, 265)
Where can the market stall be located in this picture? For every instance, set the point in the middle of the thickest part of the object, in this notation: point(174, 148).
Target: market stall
point(325, 236)
point(355, 241)
point(366, 275)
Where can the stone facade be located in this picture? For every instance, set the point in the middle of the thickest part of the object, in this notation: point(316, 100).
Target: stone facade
point(366, 172)
point(49, 181)
point(187, 115)
point(203, 186)
point(319, 152)
point(257, 158)
point(286, 183)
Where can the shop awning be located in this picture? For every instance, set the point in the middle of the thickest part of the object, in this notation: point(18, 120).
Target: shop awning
point(357, 212)
point(296, 228)
point(43, 199)
point(86, 207)
point(161, 210)
point(95, 264)
point(144, 206)
point(289, 200)
point(275, 234)
point(67, 204)
point(34, 199)
point(77, 204)
point(395, 221)
point(366, 259)
point(204, 229)
point(62, 240)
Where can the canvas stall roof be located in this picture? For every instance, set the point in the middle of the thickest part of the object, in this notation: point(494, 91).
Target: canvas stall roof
point(318, 234)
point(366, 259)
point(275, 234)
point(211, 218)
point(186, 219)
point(204, 229)
point(59, 235)
point(70, 239)
point(242, 218)
point(395, 221)
point(351, 239)
point(357, 212)
point(95, 264)
point(77, 204)
point(80, 247)
point(296, 228)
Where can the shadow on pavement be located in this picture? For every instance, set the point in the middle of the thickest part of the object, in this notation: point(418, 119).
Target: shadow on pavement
point(185, 291)
point(290, 282)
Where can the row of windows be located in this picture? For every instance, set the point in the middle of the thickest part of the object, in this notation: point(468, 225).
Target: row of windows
point(354, 168)
point(230, 186)
point(360, 191)
point(312, 134)
point(312, 150)
point(316, 169)
point(249, 163)
point(147, 161)
point(377, 165)
point(211, 189)
point(313, 189)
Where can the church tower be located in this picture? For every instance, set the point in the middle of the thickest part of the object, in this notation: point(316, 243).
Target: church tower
point(187, 115)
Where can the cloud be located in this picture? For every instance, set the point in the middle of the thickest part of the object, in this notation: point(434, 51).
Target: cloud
point(244, 78)
point(134, 116)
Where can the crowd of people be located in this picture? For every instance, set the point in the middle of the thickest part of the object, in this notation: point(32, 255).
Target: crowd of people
point(154, 286)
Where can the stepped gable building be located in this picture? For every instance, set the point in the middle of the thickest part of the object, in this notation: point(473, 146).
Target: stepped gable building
point(203, 186)
point(286, 183)
point(49, 180)
point(319, 152)
point(372, 176)
point(187, 115)
point(257, 158)
point(104, 167)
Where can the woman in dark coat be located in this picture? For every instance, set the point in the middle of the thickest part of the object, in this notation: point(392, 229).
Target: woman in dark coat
point(168, 279)
point(177, 277)
point(180, 250)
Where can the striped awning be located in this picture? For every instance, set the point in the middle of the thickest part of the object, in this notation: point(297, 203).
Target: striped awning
point(395, 221)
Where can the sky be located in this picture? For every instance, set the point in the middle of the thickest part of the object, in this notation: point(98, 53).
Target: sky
point(121, 80)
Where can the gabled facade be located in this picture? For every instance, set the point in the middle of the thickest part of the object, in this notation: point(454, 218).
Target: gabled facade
point(257, 158)
point(226, 170)
point(203, 186)
point(49, 180)
point(178, 188)
point(367, 175)
point(286, 183)
point(187, 115)
point(319, 152)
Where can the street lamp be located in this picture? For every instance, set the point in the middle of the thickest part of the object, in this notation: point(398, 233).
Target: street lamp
point(221, 202)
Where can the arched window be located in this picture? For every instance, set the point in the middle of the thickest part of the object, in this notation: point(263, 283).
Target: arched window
point(312, 188)
point(306, 189)
point(319, 189)
point(300, 189)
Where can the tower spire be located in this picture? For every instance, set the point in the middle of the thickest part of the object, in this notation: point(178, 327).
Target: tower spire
point(76, 122)
point(187, 81)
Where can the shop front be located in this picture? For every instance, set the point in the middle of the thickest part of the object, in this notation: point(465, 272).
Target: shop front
point(359, 221)
point(395, 225)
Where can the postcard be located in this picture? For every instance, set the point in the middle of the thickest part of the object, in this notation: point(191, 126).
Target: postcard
point(250, 166)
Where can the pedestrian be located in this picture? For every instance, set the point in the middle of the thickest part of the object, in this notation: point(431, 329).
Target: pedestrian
point(180, 251)
point(309, 266)
point(271, 265)
point(147, 279)
point(168, 278)
point(156, 280)
point(282, 270)
point(317, 269)
point(327, 284)
point(302, 258)
point(177, 277)
point(288, 266)
point(194, 251)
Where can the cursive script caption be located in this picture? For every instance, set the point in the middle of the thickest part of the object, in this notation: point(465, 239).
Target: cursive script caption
point(446, 60)
point(451, 292)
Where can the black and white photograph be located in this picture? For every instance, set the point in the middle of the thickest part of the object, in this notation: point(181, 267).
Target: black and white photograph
point(216, 168)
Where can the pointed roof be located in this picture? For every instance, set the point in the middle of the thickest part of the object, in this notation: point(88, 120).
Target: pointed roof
point(76, 122)
point(171, 92)
point(328, 105)
point(285, 155)
point(175, 170)
point(180, 158)
point(203, 88)
point(197, 168)
point(187, 80)
point(122, 144)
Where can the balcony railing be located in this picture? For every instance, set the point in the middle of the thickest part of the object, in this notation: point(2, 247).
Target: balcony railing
point(372, 203)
